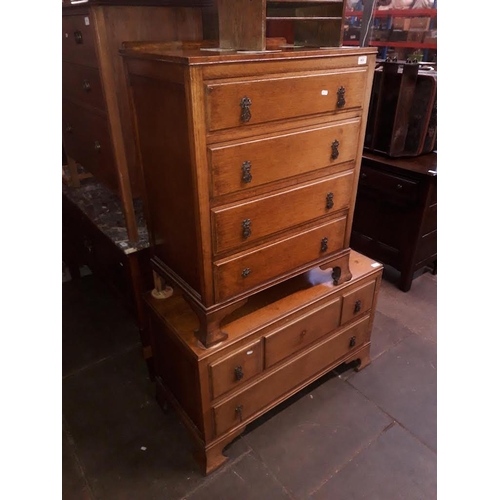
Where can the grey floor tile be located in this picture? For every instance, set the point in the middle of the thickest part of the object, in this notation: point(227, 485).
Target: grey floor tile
point(403, 382)
point(395, 467)
point(310, 439)
point(386, 333)
point(248, 479)
point(129, 447)
point(74, 486)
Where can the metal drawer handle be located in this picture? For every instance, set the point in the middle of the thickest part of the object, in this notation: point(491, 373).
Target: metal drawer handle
point(335, 149)
point(238, 373)
point(352, 341)
point(363, 176)
point(357, 306)
point(246, 176)
point(341, 97)
point(239, 411)
point(324, 244)
point(247, 231)
point(399, 187)
point(97, 146)
point(69, 128)
point(78, 37)
point(86, 85)
point(245, 104)
point(329, 200)
point(246, 272)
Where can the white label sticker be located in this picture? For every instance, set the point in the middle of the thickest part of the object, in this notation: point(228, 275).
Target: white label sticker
point(249, 352)
point(376, 264)
point(362, 60)
point(324, 92)
point(87, 23)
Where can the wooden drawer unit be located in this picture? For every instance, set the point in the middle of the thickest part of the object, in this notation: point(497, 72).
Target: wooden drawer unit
point(243, 272)
point(252, 220)
point(236, 369)
point(235, 104)
point(78, 45)
point(357, 302)
point(245, 405)
point(263, 150)
point(82, 85)
point(243, 165)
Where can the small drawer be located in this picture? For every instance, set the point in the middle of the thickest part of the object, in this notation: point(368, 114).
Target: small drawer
point(237, 104)
point(82, 84)
point(397, 188)
point(78, 44)
point(243, 273)
point(430, 220)
point(236, 369)
point(243, 223)
point(243, 165)
point(270, 390)
point(357, 302)
point(87, 140)
point(296, 336)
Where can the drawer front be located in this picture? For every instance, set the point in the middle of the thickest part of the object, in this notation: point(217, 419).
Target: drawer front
point(244, 165)
point(397, 188)
point(78, 40)
point(236, 369)
point(269, 390)
point(236, 104)
point(357, 302)
point(427, 247)
point(242, 273)
point(247, 222)
point(296, 336)
point(82, 84)
point(87, 140)
point(430, 220)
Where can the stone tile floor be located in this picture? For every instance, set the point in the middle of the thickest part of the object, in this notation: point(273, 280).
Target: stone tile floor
point(349, 436)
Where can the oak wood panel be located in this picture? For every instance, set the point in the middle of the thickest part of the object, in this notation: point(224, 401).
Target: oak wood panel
point(87, 140)
point(78, 43)
point(264, 392)
point(283, 98)
point(280, 156)
point(301, 333)
point(82, 84)
point(224, 373)
point(160, 110)
point(356, 302)
point(280, 211)
point(276, 259)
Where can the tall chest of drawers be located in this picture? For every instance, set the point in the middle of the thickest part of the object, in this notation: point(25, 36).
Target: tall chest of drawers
point(251, 164)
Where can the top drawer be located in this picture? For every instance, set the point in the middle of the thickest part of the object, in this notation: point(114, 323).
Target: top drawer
point(78, 40)
point(235, 104)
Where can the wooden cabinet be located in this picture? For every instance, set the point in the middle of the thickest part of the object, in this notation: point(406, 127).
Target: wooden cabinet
point(395, 220)
point(251, 164)
point(284, 338)
point(97, 128)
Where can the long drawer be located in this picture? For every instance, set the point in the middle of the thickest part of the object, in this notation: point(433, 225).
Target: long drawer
point(235, 104)
point(78, 44)
point(82, 84)
point(242, 223)
point(255, 162)
point(244, 272)
point(264, 393)
point(87, 140)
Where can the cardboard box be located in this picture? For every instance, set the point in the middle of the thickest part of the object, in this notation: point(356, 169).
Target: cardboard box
point(398, 36)
point(401, 23)
point(420, 23)
point(416, 36)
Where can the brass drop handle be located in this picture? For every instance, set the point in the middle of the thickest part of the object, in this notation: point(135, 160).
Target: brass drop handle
point(357, 306)
point(245, 104)
point(246, 176)
point(246, 272)
point(78, 37)
point(238, 372)
point(247, 231)
point(86, 85)
point(239, 411)
point(329, 201)
point(352, 341)
point(97, 146)
point(335, 149)
point(341, 97)
point(324, 244)
point(69, 128)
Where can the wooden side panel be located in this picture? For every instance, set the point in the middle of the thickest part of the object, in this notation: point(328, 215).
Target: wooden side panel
point(165, 152)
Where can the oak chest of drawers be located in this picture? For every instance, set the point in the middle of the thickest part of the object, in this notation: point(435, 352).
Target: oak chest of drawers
point(284, 338)
point(251, 165)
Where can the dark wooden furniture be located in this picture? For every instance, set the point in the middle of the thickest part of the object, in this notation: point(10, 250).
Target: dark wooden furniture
point(251, 164)
point(97, 125)
point(284, 338)
point(395, 220)
point(94, 234)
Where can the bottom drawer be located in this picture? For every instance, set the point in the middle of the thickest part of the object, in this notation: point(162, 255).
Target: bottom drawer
point(269, 390)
